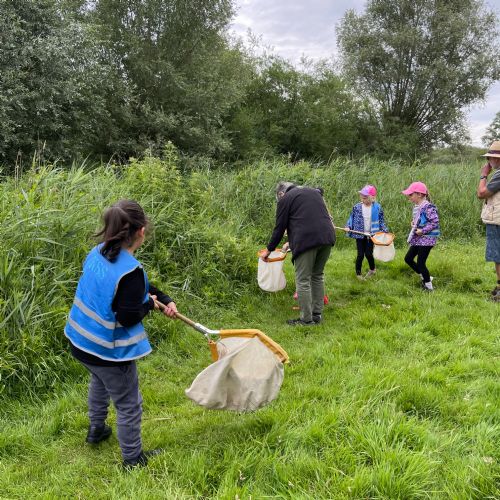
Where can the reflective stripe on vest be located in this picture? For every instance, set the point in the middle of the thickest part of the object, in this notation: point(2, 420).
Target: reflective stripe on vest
point(108, 324)
point(109, 345)
point(375, 226)
point(92, 325)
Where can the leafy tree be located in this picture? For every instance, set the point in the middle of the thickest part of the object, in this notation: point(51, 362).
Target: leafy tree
point(308, 113)
point(180, 67)
point(422, 62)
point(53, 87)
point(336, 121)
point(493, 131)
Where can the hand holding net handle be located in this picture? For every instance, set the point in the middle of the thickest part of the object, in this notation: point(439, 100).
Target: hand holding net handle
point(197, 326)
point(178, 315)
point(352, 231)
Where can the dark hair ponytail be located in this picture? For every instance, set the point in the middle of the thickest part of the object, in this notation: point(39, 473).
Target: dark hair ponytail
point(121, 223)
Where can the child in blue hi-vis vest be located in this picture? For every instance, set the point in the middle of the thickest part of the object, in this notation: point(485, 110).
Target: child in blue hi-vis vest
point(105, 327)
point(424, 231)
point(366, 216)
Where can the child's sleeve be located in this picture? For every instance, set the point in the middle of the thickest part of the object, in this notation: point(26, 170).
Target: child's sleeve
point(349, 221)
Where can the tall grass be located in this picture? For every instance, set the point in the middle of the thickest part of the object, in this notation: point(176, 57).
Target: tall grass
point(248, 194)
point(208, 225)
point(394, 396)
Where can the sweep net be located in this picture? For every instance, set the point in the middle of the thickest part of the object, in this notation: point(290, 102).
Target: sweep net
point(247, 375)
point(383, 246)
point(383, 239)
point(270, 275)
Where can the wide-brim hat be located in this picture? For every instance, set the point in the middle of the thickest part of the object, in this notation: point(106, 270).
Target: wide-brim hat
point(494, 150)
point(415, 187)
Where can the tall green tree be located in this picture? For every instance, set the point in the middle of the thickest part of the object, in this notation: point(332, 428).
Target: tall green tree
point(308, 113)
point(422, 62)
point(183, 73)
point(55, 89)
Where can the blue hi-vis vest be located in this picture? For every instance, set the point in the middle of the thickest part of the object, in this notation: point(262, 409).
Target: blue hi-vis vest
point(375, 220)
point(422, 221)
point(92, 325)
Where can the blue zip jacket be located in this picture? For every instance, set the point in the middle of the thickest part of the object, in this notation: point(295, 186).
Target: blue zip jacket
point(357, 223)
point(92, 325)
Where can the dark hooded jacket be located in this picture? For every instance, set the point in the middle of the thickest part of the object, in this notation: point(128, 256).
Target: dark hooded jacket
point(302, 213)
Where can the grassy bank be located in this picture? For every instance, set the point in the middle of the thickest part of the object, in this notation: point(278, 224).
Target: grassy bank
point(208, 225)
point(395, 395)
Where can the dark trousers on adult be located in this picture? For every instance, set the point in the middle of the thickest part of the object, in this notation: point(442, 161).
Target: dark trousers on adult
point(121, 385)
point(421, 253)
point(309, 277)
point(365, 249)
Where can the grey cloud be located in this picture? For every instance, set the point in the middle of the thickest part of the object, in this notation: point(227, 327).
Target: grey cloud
point(296, 27)
point(293, 28)
point(480, 116)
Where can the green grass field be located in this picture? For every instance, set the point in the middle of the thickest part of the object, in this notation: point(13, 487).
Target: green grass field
point(395, 395)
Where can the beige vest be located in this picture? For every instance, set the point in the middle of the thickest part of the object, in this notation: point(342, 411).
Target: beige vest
point(491, 210)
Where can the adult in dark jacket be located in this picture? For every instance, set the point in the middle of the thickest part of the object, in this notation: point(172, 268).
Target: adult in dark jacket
point(302, 213)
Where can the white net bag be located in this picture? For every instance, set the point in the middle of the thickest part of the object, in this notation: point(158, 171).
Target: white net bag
point(383, 248)
point(270, 275)
point(384, 253)
point(247, 376)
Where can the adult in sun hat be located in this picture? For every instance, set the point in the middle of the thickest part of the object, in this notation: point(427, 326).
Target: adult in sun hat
point(489, 191)
point(424, 231)
point(367, 216)
point(302, 213)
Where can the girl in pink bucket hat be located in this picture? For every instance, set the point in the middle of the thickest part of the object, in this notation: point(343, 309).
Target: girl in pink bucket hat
point(424, 231)
point(366, 217)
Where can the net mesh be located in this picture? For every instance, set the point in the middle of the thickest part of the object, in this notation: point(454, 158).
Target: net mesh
point(247, 375)
point(384, 239)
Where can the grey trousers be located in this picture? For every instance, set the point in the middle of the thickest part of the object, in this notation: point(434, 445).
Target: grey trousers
point(121, 384)
point(309, 277)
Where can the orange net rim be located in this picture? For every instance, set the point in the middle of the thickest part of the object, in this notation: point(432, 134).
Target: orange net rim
point(280, 353)
point(389, 236)
point(272, 259)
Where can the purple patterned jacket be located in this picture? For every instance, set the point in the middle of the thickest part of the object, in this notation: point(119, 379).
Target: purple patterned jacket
point(431, 224)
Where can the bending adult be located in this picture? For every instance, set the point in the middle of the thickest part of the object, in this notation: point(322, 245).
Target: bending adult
point(105, 328)
point(302, 213)
point(489, 191)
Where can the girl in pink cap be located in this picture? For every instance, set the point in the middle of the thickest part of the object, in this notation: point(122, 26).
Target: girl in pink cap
point(366, 217)
point(424, 231)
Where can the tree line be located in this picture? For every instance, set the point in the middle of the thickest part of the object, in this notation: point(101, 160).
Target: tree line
point(110, 79)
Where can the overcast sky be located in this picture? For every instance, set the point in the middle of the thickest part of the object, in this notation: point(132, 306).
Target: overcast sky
point(296, 28)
